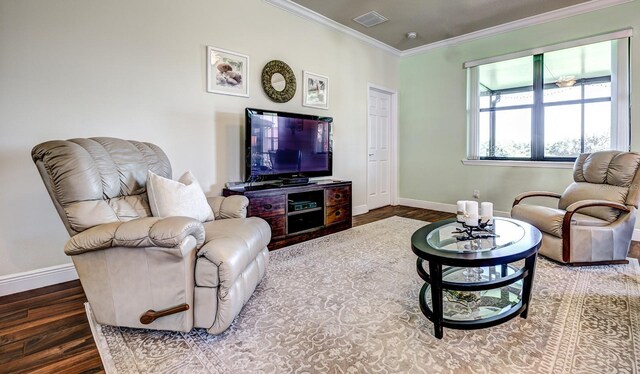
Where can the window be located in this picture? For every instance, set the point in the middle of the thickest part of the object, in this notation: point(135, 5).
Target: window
point(322, 144)
point(551, 104)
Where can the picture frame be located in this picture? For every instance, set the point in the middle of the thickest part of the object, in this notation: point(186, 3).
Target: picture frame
point(315, 90)
point(227, 72)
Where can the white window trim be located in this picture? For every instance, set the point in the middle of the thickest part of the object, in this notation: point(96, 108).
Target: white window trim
point(620, 131)
point(621, 126)
point(527, 164)
point(473, 105)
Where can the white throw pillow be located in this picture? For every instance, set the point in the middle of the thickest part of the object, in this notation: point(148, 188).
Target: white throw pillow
point(183, 197)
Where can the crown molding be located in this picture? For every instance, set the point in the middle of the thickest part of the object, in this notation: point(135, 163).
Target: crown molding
point(309, 14)
point(553, 15)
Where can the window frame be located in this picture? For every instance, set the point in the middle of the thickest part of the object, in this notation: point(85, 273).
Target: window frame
point(537, 109)
point(619, 98)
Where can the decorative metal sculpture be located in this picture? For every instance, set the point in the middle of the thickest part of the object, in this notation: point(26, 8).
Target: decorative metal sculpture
point(482, 231)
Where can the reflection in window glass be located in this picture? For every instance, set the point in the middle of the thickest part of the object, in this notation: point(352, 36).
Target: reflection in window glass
point(502, 75)
point(513, 99)
point(587, 61)
point(592, 91)
point(506, 83)
point(556, 94)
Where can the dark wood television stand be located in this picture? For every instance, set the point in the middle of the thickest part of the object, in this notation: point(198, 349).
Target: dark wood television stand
point(299, 213)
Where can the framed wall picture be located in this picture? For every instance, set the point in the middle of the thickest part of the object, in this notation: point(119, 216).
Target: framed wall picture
point(315, 90)
point(227, 72)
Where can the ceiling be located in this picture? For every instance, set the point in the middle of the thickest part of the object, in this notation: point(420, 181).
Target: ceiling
point(432, 20)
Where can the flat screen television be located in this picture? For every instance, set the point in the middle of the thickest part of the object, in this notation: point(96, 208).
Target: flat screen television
point(283, 145)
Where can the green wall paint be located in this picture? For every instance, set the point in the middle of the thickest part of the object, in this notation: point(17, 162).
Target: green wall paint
point(433, 117)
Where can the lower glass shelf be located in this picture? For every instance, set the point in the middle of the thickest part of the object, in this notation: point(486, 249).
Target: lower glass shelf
point(476, 305)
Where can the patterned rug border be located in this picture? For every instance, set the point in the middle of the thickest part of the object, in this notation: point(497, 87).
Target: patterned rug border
point(101, 342)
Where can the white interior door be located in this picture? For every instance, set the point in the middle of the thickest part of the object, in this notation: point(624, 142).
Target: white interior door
point(379, 134)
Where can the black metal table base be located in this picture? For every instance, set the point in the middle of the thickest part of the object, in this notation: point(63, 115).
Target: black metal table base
point(433, 280)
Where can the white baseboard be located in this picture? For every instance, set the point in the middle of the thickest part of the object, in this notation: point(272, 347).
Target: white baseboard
point(449, 208)
point(29, 280)
point(360, 209)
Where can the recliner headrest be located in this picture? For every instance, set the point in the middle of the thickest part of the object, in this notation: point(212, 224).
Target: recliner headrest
point(608, 167)
point(98, 180)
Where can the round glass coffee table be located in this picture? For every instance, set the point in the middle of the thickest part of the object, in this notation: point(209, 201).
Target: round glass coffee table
point(475, 283)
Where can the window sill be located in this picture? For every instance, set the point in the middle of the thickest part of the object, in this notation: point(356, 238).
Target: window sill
point(526, 164)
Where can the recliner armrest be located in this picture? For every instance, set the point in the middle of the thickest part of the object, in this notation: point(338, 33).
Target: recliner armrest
point(236, 247)
point(166, 232)
point(234, 206)
point(525, 195)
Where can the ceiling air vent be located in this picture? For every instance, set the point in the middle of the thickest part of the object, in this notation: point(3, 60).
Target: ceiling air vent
point(370, 19)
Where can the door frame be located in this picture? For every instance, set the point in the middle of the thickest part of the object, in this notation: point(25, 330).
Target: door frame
point(393, 143)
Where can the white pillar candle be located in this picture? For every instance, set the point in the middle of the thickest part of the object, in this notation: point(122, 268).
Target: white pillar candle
point(471, 220)
point(472, 207)
point(486, 211)
point(460, 210)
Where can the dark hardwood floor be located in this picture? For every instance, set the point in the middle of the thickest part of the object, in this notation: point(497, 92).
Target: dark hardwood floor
point(401, 211)
point(46, 330)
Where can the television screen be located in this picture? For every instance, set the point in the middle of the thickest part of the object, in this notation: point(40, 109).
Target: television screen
point(280, 145)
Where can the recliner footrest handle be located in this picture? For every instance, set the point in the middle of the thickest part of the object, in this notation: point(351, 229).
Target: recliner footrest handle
point(151, 315)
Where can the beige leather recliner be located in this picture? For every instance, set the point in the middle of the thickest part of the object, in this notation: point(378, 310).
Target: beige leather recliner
point(596, 214)
point(140, 271)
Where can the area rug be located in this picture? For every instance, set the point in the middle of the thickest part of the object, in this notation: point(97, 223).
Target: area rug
point(348, 303)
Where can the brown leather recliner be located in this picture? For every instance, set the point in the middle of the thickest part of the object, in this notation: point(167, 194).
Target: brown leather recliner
point(596, 214)
point(171, 273)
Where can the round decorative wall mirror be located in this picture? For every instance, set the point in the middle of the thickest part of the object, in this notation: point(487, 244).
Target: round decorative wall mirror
point(278, 81)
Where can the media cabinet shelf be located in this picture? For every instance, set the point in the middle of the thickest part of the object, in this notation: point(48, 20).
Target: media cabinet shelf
point(303, 211)
point(331, 213)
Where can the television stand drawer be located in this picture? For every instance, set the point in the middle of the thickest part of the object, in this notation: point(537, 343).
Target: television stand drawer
point(267, 206)
point(338, 196)
point(337, 214)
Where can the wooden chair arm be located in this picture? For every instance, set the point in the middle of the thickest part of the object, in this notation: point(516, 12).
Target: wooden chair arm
point(525, 195)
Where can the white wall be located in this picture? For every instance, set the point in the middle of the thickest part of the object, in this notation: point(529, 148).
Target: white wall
point(136, 70)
